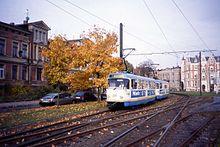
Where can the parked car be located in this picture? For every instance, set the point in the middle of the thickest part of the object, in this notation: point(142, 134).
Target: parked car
point(103, 95)
point(84, 96)
point(52, 99)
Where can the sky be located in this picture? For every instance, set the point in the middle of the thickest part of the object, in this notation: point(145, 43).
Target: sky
point(162, 29)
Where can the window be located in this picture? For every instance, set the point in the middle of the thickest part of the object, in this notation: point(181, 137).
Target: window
point(121, 83)
point(134, 84)
point(35, 52)
point(44, 37)
point(14, 72)
point(24, 73)
point(15, 49)
point(2, 46)
point(39, 73)
point(40, 33)
point(195, 67)
point(24, 50)
point(39, 54)
point(36, 34)
point(2, 71)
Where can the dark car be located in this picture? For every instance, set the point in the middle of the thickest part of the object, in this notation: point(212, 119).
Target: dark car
point(103, 95)
point(84, 96)
point(52, 99)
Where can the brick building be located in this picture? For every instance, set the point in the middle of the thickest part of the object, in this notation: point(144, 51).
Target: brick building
point(20, 54)
point(210, 73)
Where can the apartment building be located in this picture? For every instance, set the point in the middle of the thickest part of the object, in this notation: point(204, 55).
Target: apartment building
point(20, 54)
point(172, 75)
point(210, 73)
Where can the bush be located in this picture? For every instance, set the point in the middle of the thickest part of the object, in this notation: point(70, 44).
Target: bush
point(22, 93)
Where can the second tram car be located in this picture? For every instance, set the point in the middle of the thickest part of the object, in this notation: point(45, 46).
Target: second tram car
point(162, 89)
point(125, 89)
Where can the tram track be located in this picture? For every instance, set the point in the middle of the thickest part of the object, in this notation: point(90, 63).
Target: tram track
point(26, 136)
point(89, 132)
point(156, 135)
point(106, 126)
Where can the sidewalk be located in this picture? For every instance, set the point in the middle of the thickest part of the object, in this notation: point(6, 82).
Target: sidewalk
point(19, 104)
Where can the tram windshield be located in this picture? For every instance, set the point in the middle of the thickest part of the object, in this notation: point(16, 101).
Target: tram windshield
point(121, 83)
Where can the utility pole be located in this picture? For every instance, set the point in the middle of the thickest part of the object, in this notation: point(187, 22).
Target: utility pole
point(121, 40)
point(200, 73)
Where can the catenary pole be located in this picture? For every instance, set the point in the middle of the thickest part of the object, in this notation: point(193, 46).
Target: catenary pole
point(121, 40)
point(200, 74)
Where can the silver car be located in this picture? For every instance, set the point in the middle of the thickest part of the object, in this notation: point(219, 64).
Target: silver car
point(52, 99)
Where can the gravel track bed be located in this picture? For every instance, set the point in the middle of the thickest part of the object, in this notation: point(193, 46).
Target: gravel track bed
point(103, 133)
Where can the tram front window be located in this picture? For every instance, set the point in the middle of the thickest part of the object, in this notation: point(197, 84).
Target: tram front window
point(121, 83)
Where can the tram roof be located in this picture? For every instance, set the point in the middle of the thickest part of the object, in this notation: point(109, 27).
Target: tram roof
point(129, 76)
point(160, 81)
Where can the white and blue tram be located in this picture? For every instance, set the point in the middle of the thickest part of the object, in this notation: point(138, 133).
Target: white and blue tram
point(125, 89)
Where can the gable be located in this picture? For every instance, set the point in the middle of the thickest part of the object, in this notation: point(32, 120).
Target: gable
point(40, 24)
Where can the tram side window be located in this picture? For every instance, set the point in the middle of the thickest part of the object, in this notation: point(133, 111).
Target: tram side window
point(140, 84)
point(144, 85)
point(147, 84)
point(160, 85)
point(134, 84)
point(152, 85)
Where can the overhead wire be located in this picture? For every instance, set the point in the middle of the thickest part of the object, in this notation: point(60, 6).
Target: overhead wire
point(191, 25)
point(160, 28)
point(76, 17)
point(104, 20)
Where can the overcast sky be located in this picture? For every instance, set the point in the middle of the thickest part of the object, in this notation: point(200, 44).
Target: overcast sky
point(140, 29)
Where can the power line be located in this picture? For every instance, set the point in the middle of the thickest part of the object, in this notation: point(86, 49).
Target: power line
point(196, 32)
point(104, 20)
point(91, 14)
point(158, 25)
point(68, 13)
point(175, 52)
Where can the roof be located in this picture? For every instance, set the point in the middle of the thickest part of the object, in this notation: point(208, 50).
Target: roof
point(38, 24)
point(196, 59)
point(14, 27)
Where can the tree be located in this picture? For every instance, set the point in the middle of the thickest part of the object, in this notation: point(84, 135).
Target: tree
point(130, 67)
point(95, 60)
point(145, 68)
point(59, 56)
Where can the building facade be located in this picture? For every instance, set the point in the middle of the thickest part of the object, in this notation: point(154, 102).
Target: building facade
point(20, 54)
point(172, 75)
point(210, 73)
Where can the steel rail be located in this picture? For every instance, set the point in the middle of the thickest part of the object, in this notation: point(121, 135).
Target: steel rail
point(19, 135)
point(136, 126)
point(171, 123)
point(12, 137)
point(196, 132)
point(66, 128)
point(98, 128)
point(155, 132)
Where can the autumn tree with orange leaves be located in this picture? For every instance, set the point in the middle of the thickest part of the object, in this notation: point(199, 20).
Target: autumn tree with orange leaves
point(59, 56)
point(82, 66)
point(95, 59)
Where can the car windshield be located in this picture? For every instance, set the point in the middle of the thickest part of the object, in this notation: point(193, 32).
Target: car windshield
point(50, 95)
point(122, 83)
point(80, 93)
